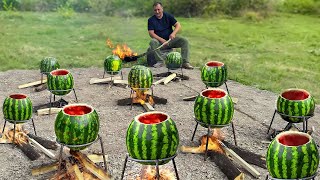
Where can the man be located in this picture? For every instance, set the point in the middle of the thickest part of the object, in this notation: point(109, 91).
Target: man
point(160, 30)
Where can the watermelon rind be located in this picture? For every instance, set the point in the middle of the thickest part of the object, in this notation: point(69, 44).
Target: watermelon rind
point(214, 76)
point(140, 78)
point(15, 110)
point(49, 64)
point(112, 64)
point(60, 84)
point(173, 60)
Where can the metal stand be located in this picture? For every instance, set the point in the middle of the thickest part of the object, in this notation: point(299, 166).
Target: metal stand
point(113, 73)
point(225, 83)
point(142, 89)
point(151, 161)
point(43, 73)
point(14, 126)
point(77, 146)
point(306, 178)
point(208, 133)
point(60, 102)
point(290, 124)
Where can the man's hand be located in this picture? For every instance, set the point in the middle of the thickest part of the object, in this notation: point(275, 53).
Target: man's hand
point(172, 35)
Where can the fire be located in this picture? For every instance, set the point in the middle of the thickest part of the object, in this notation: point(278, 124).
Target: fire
point(143, 97)
point(213, 143)
point(121, 51)
point(150, 173)
point(20, 135)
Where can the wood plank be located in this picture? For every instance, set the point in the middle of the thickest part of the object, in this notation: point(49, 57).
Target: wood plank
point(32, 84)
point(159, 81)
point(47, 111)
point(190, 98)
point(4, 141)
point(45, 169)
point(120, 81)
point(43, 149)
point(97, 158)
point(104, 80)
point(240, 161)
point(148, 107)
point(170, 78)
point(44, 142)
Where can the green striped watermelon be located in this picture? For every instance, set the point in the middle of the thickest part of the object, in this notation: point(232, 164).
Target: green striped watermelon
point(214, 74)
point(49, 64)
point(60, 82)
point(151, 136)
point(112, 64)
point(214, 107)
point(173, 60)
point(17, 107)
point(295, 102)
point(292, 155)
point(140, 77)
point(77, 124)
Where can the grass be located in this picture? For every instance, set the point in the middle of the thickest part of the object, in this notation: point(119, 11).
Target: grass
point(274, 54)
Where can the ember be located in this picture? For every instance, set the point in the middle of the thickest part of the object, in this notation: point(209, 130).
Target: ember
point(121, 51)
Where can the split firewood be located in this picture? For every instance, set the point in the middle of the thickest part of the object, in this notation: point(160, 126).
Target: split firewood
point(73, 171)
point(41, 87)
point(28, 150)
point(32, 84)
point(147, 107)
point(190, 98)
point(96, 158)
point(104, 80)
point(170, 78)
point(159, 81)
point(45, 169)
point(226, 165)
point(48, 111)
point(89, 165)
point(43, 149)
point(3, 140)
point(120, 81)
point(44, 142)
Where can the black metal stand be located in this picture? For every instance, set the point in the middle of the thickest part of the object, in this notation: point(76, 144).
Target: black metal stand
point(290, 124)
point(60, 102)
point(225, 83)
point(77, 146)
point(208, 133)
point(142, 89)
point(306, 178)
point(151, 161)
point(14, 126)
point(113, 73)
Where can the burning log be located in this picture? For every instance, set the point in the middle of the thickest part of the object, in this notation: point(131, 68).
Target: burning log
point(150, 173)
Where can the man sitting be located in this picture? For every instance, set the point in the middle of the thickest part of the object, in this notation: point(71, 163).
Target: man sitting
point(160, 30)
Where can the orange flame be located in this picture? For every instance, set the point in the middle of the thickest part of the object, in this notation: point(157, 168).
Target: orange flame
point(150, 173)
point(121, 51)
point(143, 97)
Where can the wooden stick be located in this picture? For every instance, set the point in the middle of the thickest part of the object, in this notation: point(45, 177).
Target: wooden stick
point(97, 158)
point(46, 111)
point(43, 149)
point(28, 150)
point(105, 80)
point(120, 81)
point(148, 107)
point(190, 98)
point(44, 142)
point(4, 141)
point(45, 169)
point(169, 78)
point(239, 160)
point(32, 84)
point(73, 171)
point(226, 166)
point(159, 81)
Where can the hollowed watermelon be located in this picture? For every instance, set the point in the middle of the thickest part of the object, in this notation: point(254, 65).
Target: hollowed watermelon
point(60, 82)
point(49, 64)
point(112, 64)
point(17, 107)
point(292, 155)
point(214, 73)
point(77, 124)
point(152, 136)
point(295, 102)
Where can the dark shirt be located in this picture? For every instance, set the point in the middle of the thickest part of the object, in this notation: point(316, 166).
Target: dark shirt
point(162, 27)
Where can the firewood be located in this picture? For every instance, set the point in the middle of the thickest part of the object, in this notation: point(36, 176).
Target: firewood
point(43, 149)
point(89, 165)
point(240, 161)
point(97, 158)
point(148, 107)
point(120, 81)
point(59, 176)
point(45, 169)
point(40, 87)
point(105, 80)
point(169, 78)
point(88, 175)
point(226, 166)
point(73, 171)
point(44, 142)
point(4, 141)
point(47, 111)
point(32, 84)
point(190, 98)
point(159, 81)
point(28, 150)
point(248, 156)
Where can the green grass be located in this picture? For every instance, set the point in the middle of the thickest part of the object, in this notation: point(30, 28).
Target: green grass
point(274, 54)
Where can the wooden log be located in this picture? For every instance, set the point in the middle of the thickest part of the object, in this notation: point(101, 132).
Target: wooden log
point(4, 141)
point(44, 142)
point(104, 80)
point(190, 98)
point(73, 171)
point(40, 87)
point(170, 78)
point(97, 158)
point(159, 81)
point(120, 81)
point(89, 165)
point(32, 84)
point(226, 166)
point(147, 107)
point(47, 111)
point(45, 169)
point(28, 150)
point(43, 149)
point(248, 156)
point(240, 161)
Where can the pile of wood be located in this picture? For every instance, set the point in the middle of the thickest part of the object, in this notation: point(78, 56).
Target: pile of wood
point(150, 173)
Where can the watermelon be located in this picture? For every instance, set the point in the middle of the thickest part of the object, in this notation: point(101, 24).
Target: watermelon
point(49, 64)
point(173, 60)
point(140, 77)
point(112, 64)
point(60, 82)
point(213, 107)
point(151, 136)
point(295, 102)
point(17, 107)
point(292, 155)
point(214, 74)
point(77, 124)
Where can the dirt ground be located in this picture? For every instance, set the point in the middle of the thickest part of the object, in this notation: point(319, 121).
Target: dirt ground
point(253, 113)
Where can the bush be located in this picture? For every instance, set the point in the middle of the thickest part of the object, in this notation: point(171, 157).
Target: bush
point(300, 6)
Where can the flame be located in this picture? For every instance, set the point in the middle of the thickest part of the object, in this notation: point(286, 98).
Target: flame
point(142, 97)
point(213, 143)
point(20, 135)
point(150, 173)
point(121, 51)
